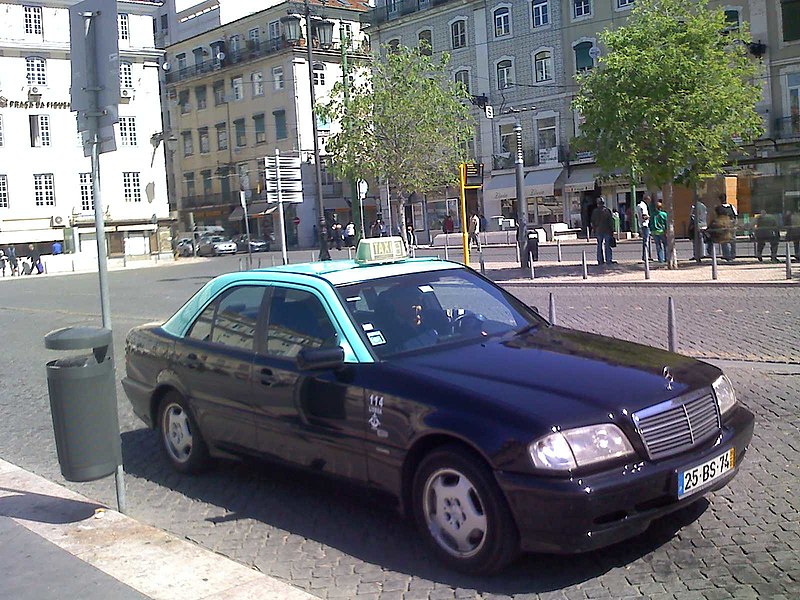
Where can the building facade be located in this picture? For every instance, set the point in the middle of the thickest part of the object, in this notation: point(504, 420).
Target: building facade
point(45, 179)
point(237, 93)
point(522, 58)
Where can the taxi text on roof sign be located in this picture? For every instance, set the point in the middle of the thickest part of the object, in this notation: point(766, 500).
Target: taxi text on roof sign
point(380, 250)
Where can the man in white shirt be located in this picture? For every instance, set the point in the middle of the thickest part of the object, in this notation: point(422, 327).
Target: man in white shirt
point(643, 214)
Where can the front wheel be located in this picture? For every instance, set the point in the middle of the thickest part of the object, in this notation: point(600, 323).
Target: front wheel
point(180, 437)
point(462, 512)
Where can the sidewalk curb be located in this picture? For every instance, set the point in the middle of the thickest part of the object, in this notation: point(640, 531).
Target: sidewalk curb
point(142, 557)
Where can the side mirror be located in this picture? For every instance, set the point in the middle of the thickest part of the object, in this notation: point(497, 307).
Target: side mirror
point(321, 359)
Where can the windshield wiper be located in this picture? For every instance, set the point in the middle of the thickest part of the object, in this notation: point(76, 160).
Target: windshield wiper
point(526, 329)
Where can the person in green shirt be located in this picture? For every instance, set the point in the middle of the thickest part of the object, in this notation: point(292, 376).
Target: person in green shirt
point(658, 229)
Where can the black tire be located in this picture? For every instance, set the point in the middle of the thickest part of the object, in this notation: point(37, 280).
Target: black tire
point(175, 423)
point(497, 545)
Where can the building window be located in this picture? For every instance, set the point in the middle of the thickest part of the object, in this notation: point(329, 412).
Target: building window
point(3, 191)
point(624, 3)
point(274, 30)
point(188, 144)
point(504, 74)
point(125, 75)
point(181, 58)
point(793, 83)
point(502, 22)
point(165, 23)
point(234, 44)
point(540, 13)
point(258, 83)
point(546, 140)
point(205, 145)
point(127, 131)
point(87, 192)
point(458, 34)
point(124, 31)
point(732, 19)
point(240, 132)
point(581, 8)
point(44, 189)
point(237, 84)
point(33, 20)
point(319, 74)
point(36, 70)
point(188, 179)
point(200, 97)
point(280, 124)
point(253, 38)
point(583, 60)
point(183, 101)
point(261, 129)
point(40, 130)
point(278, 82)
point(393, 46)
point(131, 188)
point(346, 32)
point(206, 177)
point(508, 140)
point(462, 77)
point(222, 136)
point(543, 66)
point(790, 13)
point(425, 42)
point(219, 93)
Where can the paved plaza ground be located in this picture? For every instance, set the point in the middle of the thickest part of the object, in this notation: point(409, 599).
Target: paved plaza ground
point(337, 542)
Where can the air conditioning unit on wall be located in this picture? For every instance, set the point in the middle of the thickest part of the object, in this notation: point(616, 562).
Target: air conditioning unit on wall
point(59, 221)
point(34, 90)
point(126, 93)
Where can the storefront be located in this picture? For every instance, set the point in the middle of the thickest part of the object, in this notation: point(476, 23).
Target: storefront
point(545, 204)
point(580, 192)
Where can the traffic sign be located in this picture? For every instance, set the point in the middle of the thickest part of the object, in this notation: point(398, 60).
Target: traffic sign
point(296, 221)
point(489, 111)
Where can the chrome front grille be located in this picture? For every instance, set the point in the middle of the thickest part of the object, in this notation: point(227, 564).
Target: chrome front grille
point(677, 425)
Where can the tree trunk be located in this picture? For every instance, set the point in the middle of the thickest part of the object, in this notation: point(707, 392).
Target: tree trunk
point(672, 258)
point(401, 217)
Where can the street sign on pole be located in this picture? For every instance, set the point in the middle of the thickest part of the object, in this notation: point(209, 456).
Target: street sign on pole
point(489, 111)
point(296, 220)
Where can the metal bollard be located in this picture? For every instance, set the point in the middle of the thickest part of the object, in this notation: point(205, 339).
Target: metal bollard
point(73, 265)
point(516, 252)
point(647, 262)
point(240, 264)
point(259, 262)
point(714, 274)
point(312, 256)
point(788, 262)
point(533, 272)
point(583, 262)
point(446, 249)
point(349, 253)
point(124, 260)
point(558, 249)
point(480, 258)
point(552, 309)
point(272, 260)
point(672, 337)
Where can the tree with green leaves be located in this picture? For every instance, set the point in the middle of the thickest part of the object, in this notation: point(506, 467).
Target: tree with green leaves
point(407, 124)
point(671, 99)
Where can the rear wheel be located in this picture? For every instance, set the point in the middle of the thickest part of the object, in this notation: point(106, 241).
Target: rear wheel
point(462, 512)
point(180, 437)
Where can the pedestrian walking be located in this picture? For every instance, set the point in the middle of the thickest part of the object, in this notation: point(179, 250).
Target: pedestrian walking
point(474, 230)
point(36, 260)
point(447, 224)
point(643, 214)
point(350, 234)
point(13, 261)
point(603, 227)
point(3, 262)
point(721, 231)
point(733, 215)
point(767, 232)
point(412, 238)
point(336, 234)
point(658, 230)
point(698, 232)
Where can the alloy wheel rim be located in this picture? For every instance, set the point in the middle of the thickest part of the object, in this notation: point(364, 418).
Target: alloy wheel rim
point(454, 513)
point(177, 433)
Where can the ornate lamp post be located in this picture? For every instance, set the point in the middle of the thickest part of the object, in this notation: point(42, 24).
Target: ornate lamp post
point(324, 35)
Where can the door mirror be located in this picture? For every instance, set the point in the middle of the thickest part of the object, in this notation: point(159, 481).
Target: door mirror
point(320, 359)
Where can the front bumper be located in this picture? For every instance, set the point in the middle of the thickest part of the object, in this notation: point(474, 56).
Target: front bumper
point(585, 513)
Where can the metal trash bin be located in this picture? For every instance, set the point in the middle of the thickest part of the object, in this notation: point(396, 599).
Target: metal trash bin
point(83, 403)
point(533, 246)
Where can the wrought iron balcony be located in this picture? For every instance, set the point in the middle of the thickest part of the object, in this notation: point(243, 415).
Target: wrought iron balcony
point(529, 159)
point(787, 127)
point(393, 9)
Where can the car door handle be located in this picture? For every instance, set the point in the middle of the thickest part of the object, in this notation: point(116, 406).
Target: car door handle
point(267, 377)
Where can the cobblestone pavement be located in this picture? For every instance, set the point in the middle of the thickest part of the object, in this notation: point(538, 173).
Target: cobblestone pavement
point(337, 542)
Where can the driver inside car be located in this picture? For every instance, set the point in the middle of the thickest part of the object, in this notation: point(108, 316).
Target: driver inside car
point(410, 320)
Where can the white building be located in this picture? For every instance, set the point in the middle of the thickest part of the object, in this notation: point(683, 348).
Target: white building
point(45, 180)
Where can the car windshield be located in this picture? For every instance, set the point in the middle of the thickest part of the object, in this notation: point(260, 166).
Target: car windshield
point(217, 238)
point(421, 311)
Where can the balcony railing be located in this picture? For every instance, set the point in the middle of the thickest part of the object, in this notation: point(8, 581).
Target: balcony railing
point(530, 158)
point(787, 127)
point(393, 10)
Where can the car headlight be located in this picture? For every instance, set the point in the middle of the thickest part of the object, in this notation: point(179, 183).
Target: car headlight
point(581, 447)
point(725, 394)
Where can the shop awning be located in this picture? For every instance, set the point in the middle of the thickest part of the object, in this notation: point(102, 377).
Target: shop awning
point(255, 210)
point(542, 183)
point(581, 180)
point(27, 236)
point(237, 214)
point(500, 187)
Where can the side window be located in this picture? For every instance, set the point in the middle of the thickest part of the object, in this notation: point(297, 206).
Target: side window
point(201, 329)
point(297, 320)
point(235, 322)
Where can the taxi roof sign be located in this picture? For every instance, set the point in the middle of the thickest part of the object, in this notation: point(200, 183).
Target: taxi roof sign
point(372, 251)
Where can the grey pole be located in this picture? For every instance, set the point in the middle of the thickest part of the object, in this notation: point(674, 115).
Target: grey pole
point(788, 262)
point(281, 215)
point(272, 259)
point(446, 247)
point(558, 249)
point(672, 334)
point(522, 203)
point(243, 198)
point(483, 265)
point(99, 217)
point(533, 273)
point(714, 261)
point(583, 262)
point(552, 309)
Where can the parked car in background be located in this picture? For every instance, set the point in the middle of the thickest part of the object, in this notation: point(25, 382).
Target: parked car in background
point(256, 244)
point(184, 247)
point(215, 245)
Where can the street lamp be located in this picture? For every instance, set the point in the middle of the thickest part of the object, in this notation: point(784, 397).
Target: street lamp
point(324, 31)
